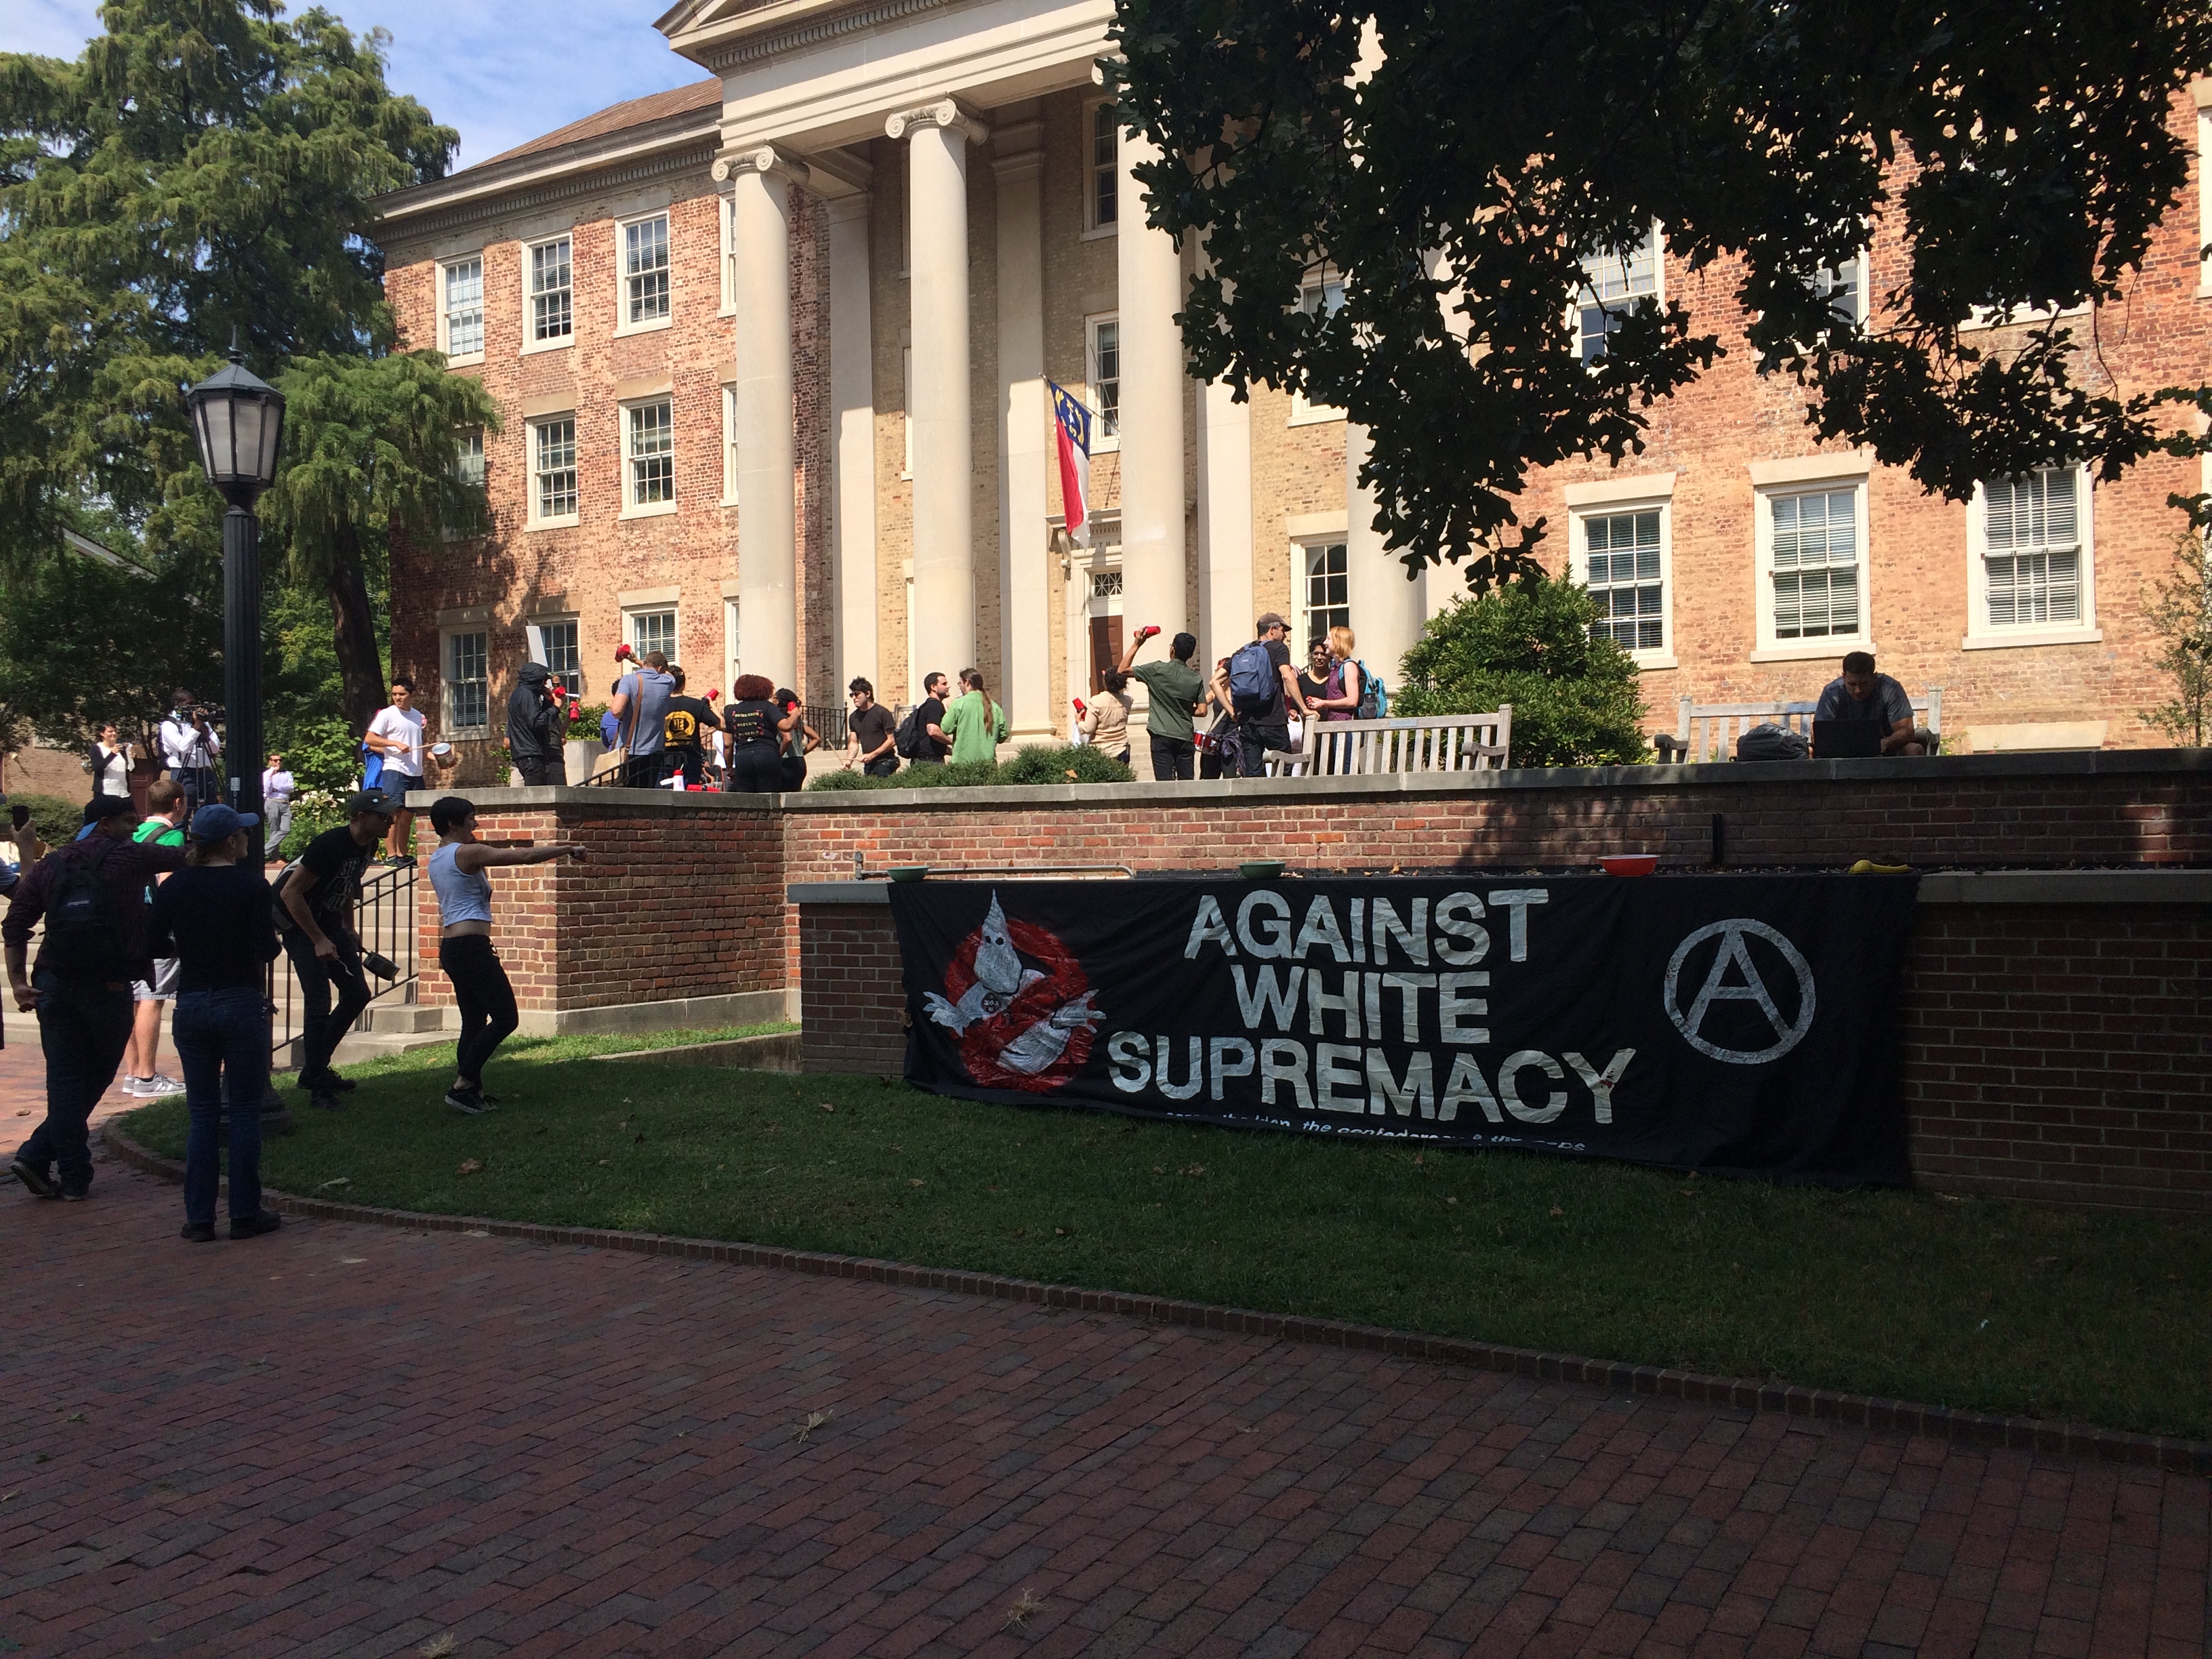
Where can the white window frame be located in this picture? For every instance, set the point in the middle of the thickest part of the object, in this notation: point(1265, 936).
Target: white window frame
point(470, 466)
point(1094, 227)
point(731, 659)
point(631, 507)
point(1981, 635)
point(530, 341)
point(534, 632)
point(1576, 300)
point(623, 278)
point(1862, 305)
point(906, 409)
point(536, 520)
point(633, 614)
point(1662, 654)
point(1103, 442)
point(447, 273)
point(729, 445)
point(2204, 92)
point(725, 243)
point(1301, 608)
point(1302, 412)
point(1818, 476)
point(449, 719)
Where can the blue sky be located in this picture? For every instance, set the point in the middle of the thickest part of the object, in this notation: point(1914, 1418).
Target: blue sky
point(500, 71)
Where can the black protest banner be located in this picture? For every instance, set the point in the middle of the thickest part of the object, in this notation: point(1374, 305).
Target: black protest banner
point(1739, 1023)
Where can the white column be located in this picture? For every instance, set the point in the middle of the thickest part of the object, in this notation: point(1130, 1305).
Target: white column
point(1154, 393)
point(1387, 609)
point(768, 523)
point(944, 612)
point(1025, 607)
point(1225, 524)
point(852, 443)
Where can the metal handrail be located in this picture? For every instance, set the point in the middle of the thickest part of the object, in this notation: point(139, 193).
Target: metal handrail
point(384, 919)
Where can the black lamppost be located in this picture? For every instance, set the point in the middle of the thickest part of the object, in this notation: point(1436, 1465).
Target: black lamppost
point(239, 419)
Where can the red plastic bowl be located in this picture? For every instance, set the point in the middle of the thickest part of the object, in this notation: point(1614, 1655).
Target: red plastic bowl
point(1629, 864)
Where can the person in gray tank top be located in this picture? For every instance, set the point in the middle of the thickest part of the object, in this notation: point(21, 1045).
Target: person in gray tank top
point(465, 956)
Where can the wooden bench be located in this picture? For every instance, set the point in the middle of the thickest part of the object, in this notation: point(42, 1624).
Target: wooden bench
point(1708, 731)
point(1438, 743)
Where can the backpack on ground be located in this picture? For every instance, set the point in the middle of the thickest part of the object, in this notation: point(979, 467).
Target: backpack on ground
point(1251, 677)
point(1770, 742)
point(80, 942)
point(910, 740)
point(1374, 696)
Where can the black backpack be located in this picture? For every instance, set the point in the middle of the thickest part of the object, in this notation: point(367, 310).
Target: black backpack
point(910, 740)
point(80, 942)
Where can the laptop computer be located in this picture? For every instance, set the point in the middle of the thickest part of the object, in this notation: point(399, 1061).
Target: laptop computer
point(1847, 739)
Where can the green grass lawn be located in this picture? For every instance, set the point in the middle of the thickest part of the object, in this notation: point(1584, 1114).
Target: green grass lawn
point(2096, 1317)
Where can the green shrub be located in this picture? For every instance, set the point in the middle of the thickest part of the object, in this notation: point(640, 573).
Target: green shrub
point(1031, 766)
point(1072, 763)
point(314, 810)
point(587, 723)
point(325, 754)
point(1575, 698)
point(55, 819)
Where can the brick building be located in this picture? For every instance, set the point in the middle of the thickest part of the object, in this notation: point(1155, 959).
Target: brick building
point(772, 352)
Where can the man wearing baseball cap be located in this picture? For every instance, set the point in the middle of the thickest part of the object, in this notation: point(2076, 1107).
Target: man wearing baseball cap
point(91, 894)
point(317, 900)
point(1266, 725)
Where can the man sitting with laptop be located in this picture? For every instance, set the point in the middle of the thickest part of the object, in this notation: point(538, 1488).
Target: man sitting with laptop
point(1863, 713)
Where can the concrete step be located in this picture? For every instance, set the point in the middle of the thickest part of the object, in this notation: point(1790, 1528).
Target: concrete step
point(384, 1018)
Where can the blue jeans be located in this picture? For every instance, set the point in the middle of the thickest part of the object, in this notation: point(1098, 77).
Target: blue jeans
point(83, 1028)
point(222, 1040)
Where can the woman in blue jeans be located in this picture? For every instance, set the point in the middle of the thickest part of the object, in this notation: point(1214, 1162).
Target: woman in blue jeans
point(215, 916)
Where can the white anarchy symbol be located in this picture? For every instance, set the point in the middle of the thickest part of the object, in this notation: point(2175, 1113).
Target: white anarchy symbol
point(1750, 988)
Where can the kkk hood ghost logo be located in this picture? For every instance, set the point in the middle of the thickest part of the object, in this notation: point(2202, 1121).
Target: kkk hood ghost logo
point(1019, 1001)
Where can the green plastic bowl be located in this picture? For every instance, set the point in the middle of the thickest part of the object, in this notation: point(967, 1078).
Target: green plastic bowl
point(909, 873)
point(1261, 869)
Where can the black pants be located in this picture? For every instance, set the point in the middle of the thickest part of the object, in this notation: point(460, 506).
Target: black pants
point(643, 771)
point(1172, 758)
point(691, 763)
point(322, 1025)
point(83, 1028)
point(756, 768)
point(791, 773)
point(541, 772)
point(1258, 740)
point(882, 766)
point(487, 1001)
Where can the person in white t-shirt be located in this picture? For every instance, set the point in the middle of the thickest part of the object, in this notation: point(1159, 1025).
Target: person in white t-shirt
point(397, 733)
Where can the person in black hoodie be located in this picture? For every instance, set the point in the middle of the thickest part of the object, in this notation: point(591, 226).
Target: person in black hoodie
point(537, 725)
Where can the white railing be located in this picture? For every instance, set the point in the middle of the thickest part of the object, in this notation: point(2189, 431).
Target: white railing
point(1708, 731)
point(1438, 743)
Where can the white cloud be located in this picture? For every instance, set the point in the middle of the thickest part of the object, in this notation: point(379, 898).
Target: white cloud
point(499, 71)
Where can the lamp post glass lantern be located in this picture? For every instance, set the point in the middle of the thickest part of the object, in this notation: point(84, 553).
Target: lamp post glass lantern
point(239, 419)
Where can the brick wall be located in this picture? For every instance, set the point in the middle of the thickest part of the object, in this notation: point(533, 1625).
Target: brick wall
point(2050, 1053)
point(2060, 1053)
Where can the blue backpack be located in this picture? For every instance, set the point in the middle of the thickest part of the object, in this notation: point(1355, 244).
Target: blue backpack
point(1251, 677)
point(1374, 696)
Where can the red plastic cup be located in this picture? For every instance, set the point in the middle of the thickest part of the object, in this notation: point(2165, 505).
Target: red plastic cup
point(1150, 628)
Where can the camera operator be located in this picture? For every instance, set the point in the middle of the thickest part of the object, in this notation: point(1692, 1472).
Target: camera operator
point(189, 749)
point(537, 727)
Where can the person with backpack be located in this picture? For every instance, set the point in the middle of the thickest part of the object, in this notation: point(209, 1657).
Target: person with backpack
point(164, 825)
point(214, 916)
point(91, 894)
point(922, 737)
point(872, 733)
point(756, 729)
point(1263, 688)
point(1344, 686)
point(976, 723)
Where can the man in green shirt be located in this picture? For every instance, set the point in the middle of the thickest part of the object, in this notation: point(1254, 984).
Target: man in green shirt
point(1176, 689)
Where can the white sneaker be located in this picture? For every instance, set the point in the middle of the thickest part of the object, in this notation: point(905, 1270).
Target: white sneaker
point(130, 1085)
point(157, 1085)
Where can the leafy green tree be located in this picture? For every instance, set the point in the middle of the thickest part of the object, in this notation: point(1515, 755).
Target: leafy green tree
point(205, 166)
point(1575, 696)
point(2180, 612)
point(85, 643)
point(369, 456)
point(1455, 163)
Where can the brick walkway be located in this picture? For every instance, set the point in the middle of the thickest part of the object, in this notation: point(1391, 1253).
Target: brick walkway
point(346, 1440)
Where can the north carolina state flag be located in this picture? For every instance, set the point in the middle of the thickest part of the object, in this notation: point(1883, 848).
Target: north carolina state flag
point(1073, 417)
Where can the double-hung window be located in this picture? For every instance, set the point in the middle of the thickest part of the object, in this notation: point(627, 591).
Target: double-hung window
point(649, 455)
point(553, 642)
point(1105, 374)
point(464, 307)
point(654, 631)
point(469, 457)
point(645, 271)
point(1105, 139)
point(729, 445)
point(1844, 288)
point(1815, 564)
point(551, 281)
point(1325, 589)
point(1613, 280)
point(2031, 582)
point(1319, 296)
point(553, 470)
point(468, 684)
point(1622, 561)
